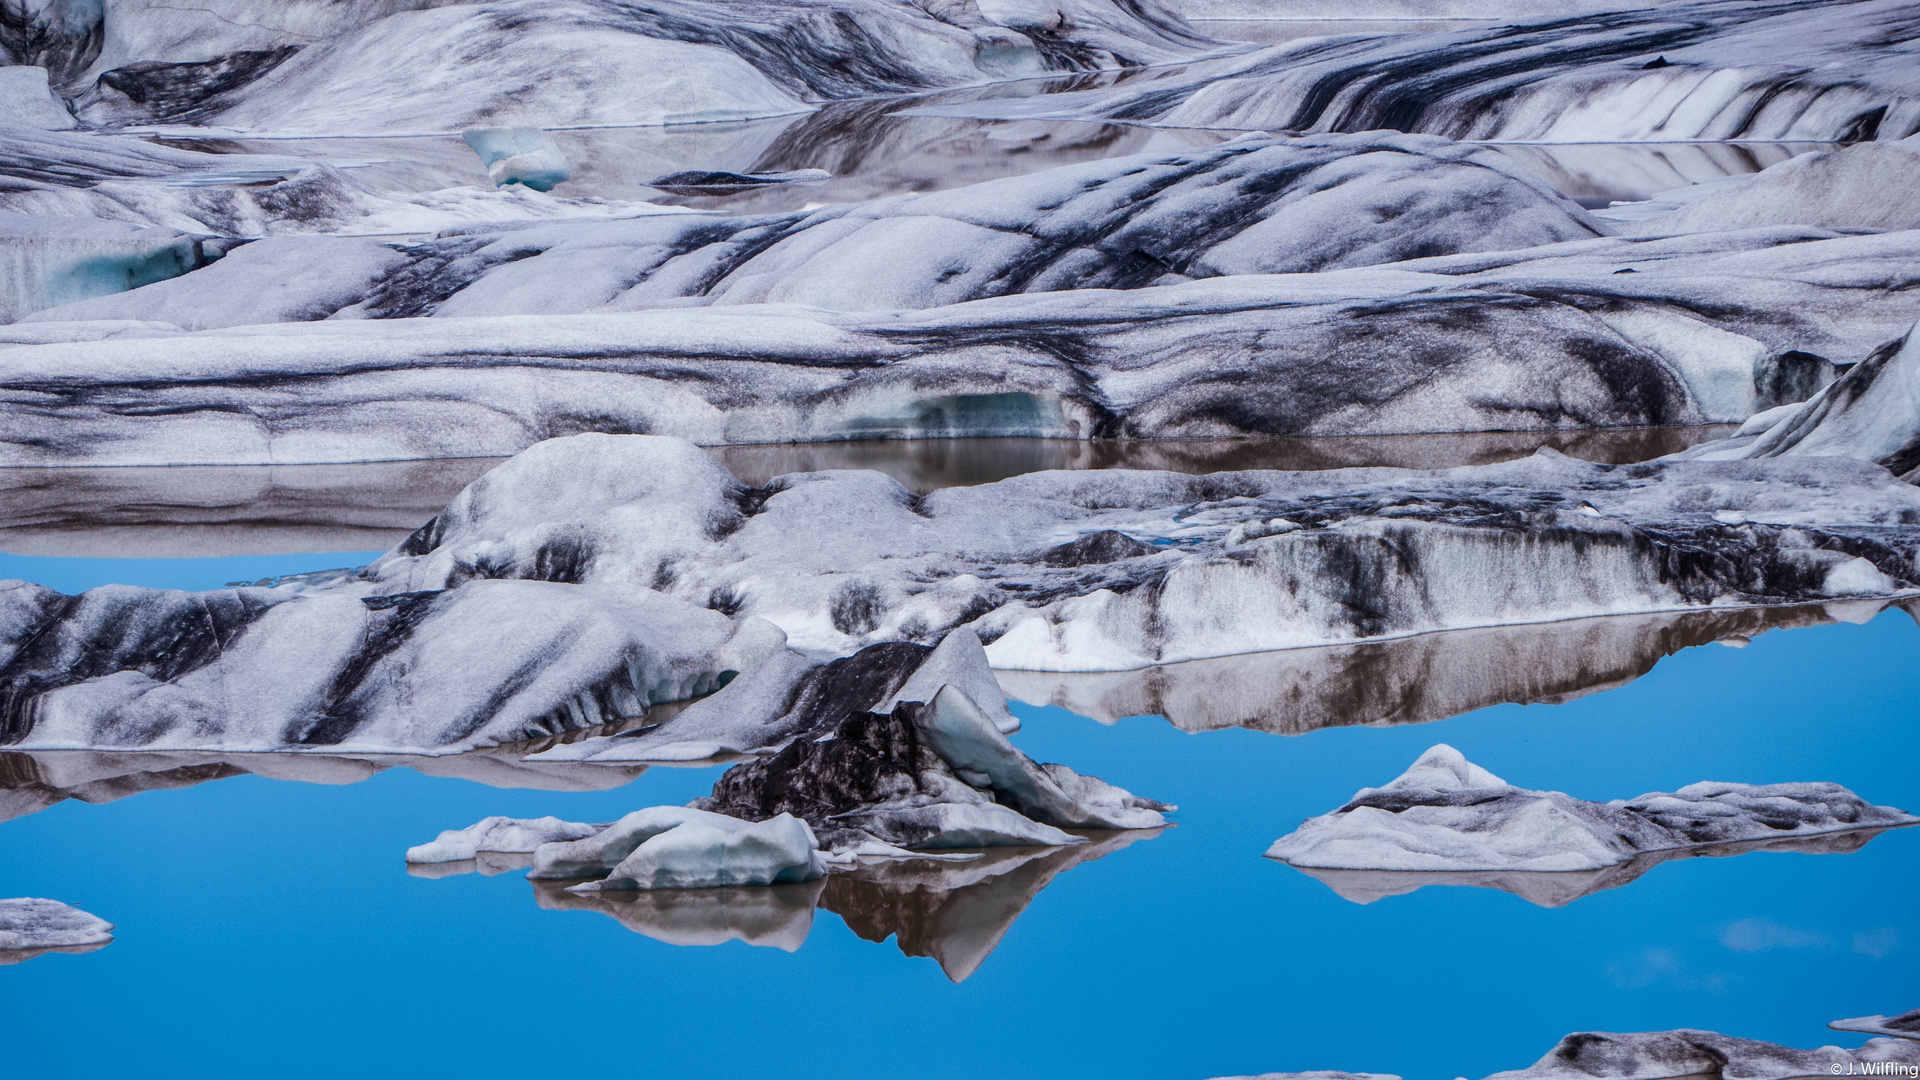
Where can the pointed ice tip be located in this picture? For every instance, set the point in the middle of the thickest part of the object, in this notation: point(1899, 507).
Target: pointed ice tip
point(1442, 768)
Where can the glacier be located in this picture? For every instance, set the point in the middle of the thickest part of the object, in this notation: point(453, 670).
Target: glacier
point(1447, 814)
point(1904, 1026)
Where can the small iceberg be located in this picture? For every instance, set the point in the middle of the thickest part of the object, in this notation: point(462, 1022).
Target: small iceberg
point(30, 927)
point(525, 156)
point(498, 835)
point(1904, 1026)
point(1448, 814)
point(674, 847)
point(716, 182)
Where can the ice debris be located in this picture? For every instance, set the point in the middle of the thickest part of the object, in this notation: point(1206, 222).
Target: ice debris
point(29, 927)
point(1447, 814)
point(519, 156)
point(502, 835)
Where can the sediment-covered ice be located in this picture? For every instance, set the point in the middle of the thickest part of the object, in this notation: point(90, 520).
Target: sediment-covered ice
point(927, 775)
point(1659, 1055)
point(1710, 70)
point(49, 261)
point(596, 576)
point(1904, 1026)
point(409, 66)
point(1668, 1055)
point(29, 927)
point(1871, 413)
point(1552, 337)
point(267, 669)
point(1855, 187)
point(1445, 813)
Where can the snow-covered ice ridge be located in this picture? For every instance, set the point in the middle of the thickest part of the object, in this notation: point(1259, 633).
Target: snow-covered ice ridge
point(1664, 1055)
point(30, 927)
point(595, 576)
point(1838, 70)
point(1904, 1026)
point(1447, 814)
point(1550, 337)
point(316, 66)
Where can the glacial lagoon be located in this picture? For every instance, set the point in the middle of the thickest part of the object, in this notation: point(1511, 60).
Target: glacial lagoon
point(533, 413)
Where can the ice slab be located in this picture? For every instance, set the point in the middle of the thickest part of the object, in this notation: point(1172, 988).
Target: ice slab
point(1904, 1026)
point(26, 99)
point(1447, 814)
point(50, 261)
point(519, 156)
point(30, 927)
point(499, 835)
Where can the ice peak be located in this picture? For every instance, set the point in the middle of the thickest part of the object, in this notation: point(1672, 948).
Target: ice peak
point(1442, 768)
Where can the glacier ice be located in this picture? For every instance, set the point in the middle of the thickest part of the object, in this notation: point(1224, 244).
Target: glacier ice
point(1668, 1055)
point(30, 927)
point(26, 99)
point(1854, 187)
point(707, 851)
point(1870, 413)
point(49, 261)
point(1447, 814)
point(1658, 1055)
point(1566, 77)
point(518, 156)
point(502, 835)
point(633, 571)
point(1904, 1026)
point(722, 182)
point(1551, 337)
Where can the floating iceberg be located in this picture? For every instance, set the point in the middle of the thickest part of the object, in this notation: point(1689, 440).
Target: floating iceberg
point(30, 927)
point(1669, 1055)
point(519, 156)
point(499, 835)
point(1447, 814)
point(1904, 1026)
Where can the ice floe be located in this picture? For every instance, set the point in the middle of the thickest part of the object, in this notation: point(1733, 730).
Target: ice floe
point(499, 835)
point(1904, 1026)
point(30, 927)
point(1447, 814)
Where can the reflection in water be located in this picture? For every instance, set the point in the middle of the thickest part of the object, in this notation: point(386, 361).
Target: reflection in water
point(32, 780)
point(953, 911)
point(957, 913)
point(779, 916)
point(925, 465)
point(189, 511)
point(1412, 680)
point(15, 956)
point(1597, 174)
point(1560, 888)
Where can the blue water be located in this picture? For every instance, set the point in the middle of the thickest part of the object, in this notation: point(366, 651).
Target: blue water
point(266, 921)
point(78, 575)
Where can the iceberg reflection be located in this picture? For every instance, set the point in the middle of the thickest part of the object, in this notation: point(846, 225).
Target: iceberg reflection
point(1552, 889)
point(1413, 680)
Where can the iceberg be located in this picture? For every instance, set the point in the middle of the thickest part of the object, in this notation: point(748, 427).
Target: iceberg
point(1447, 814)
point(30, 927)
point(498, 835)
point(1904, 1026)
point(518, 156)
